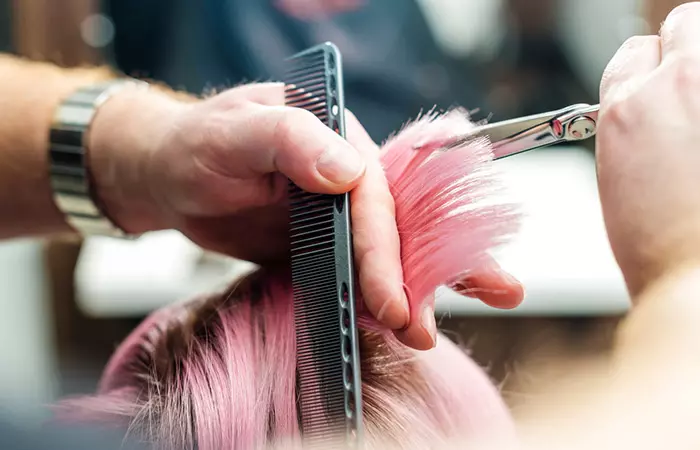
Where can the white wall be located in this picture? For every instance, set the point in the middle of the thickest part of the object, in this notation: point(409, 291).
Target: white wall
point(27, 364)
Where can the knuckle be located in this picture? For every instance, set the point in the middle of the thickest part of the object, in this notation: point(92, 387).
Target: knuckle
point(230, 98)
point(607, 81)
point(291, 120)
point(388, 203)
point(618, 115)
point(627, 105)
point(635, 41)
point(197, 180)
point(299, 116)
point(375, 194)
point(271, 191)
point(685, 72)
point(215, 131)
point(270, 94)
point(380, 212)
point(618, 67)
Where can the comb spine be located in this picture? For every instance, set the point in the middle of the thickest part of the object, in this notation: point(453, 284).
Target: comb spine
point(351, 355)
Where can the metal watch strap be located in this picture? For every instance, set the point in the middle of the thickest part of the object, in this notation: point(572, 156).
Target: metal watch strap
point(70, 176)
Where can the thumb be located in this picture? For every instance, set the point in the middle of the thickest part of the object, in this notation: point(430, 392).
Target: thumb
point(269, 93)
point(255, 140)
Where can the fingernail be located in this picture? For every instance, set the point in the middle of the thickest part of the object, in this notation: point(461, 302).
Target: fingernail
point(462, 287)
point(393, 314)
point(427, 320)
point(340, 165)
point(406, 305)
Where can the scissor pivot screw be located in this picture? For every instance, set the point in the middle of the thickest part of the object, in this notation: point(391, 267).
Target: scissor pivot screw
point(581, 128)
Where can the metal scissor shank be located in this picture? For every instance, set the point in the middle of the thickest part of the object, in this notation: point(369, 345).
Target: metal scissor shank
point(513, 136)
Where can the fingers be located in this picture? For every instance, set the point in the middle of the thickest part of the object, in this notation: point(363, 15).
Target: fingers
point(378, 255)
point(378, 252)
point(421, 332)
point(492, 285)
point(680, 33)
point(356, 134)
point(269, 94)
point(375, 236)
point(637, 57)
point(640, 55)
point(255, 140)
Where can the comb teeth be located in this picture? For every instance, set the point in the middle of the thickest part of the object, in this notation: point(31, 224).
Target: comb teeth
point(328, 376)
point(313, 83)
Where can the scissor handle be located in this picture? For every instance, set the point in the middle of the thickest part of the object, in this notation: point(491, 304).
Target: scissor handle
point(574, 123)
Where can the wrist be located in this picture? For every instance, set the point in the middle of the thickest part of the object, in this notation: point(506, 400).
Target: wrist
point(126, 131)
point(662, 327)
point(650, 256)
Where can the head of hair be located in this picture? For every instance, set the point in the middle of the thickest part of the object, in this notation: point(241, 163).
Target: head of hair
point(219, 371)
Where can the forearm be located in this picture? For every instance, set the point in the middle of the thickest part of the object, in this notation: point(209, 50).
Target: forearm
point(662, 333)
point(124, 131)
point(647, 395)
point(29, 94)
point(651, 394)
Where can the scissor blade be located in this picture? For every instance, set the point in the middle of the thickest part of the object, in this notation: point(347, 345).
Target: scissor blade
point(509, 130)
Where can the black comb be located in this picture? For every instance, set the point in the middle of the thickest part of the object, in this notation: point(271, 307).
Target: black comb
point(329, 400)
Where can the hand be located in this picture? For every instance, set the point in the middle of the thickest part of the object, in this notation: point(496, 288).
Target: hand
point(649, 150)
point(217, 171)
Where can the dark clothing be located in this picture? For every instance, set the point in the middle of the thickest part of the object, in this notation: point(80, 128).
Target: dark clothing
point(392, 65)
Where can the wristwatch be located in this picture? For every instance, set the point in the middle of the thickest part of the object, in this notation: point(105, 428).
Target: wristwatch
point(68, 161)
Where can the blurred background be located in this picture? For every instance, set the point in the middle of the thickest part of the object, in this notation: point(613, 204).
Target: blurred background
point(66, 305)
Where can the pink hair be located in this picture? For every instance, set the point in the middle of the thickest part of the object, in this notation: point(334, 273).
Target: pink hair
point(219, 372)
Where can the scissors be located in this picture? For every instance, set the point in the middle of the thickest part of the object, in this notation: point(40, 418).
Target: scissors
point(510, 137)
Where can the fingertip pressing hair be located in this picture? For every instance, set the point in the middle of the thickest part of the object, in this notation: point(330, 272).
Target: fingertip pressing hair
point(448, 210)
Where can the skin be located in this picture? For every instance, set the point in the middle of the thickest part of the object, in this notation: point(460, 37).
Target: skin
point(646, 395)
point(647, 185)
point(215, 170)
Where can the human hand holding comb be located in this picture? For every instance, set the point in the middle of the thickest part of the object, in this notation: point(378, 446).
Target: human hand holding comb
point(217, 170)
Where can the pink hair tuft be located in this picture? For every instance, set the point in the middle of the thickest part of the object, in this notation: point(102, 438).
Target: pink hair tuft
point(445, 213)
